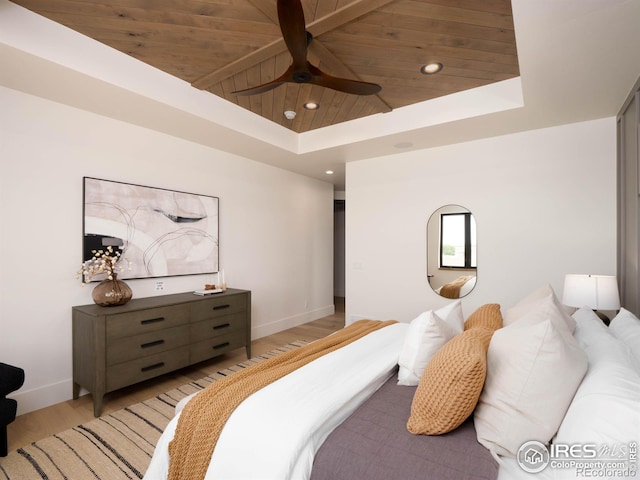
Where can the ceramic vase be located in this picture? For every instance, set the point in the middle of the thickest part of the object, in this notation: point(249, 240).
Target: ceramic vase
point(110, 293)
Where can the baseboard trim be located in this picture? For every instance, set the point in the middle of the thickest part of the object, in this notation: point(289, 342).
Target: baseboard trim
point(37, 398)
point(265, 330)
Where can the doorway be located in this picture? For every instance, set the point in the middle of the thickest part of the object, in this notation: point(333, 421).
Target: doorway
point(339, 249)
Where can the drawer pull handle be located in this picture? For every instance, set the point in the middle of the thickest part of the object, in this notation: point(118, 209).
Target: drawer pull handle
point(152, 344)
point(221, 345)
point(152, 320)
point(224, 325)
point(152, 367)
point(221, 307)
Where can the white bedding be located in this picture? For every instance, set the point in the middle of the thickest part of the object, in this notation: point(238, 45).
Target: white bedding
point(275, 433)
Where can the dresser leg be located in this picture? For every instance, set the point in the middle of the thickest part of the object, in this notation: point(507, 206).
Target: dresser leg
point(76, 391)
point(248, 350)
point(97, 404)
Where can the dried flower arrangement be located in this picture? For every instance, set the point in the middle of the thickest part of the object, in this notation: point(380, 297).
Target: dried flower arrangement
point(103, 262)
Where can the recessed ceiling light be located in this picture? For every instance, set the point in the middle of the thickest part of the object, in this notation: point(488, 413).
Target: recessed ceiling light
point(311, 106)
point(329, 172)
point(431, 68)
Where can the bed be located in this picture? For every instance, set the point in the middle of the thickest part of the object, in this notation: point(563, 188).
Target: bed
point(346, 415)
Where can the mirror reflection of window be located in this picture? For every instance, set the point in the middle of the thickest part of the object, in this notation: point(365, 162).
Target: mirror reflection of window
point(452, 251)
point(457, 240)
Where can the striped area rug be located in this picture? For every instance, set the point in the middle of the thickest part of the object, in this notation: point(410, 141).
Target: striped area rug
point(117, 446)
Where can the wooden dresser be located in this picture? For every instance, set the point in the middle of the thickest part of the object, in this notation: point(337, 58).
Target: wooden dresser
point(114, 347)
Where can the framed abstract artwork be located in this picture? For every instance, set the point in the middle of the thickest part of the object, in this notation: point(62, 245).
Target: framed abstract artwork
point(160, 232)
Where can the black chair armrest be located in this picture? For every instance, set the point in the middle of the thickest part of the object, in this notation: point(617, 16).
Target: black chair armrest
point(11, 379)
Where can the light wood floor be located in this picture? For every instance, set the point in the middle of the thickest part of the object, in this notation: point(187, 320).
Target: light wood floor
point(42, 423)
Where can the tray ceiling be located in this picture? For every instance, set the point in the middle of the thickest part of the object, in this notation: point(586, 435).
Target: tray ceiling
point(225, 45)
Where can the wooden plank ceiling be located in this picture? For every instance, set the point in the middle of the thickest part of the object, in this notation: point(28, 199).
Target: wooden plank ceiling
point(226, 45)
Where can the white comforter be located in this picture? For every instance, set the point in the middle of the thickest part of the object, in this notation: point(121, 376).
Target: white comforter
point(275, 433)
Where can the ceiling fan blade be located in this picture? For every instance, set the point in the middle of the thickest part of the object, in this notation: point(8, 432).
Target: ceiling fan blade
point(259, 89)
point(293, 27)
point(287, 76)
point(355, 87)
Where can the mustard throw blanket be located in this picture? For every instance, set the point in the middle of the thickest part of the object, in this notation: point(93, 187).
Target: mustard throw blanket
point(452, 289)
point(203, 418)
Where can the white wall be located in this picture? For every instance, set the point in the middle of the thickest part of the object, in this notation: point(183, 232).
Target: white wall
point(276, 229)
point(544, 202)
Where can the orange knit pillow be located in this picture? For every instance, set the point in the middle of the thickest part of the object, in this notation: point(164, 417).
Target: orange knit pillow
point(487, 316)
point(451, 384)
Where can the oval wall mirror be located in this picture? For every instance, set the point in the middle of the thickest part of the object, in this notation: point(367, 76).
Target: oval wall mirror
point(451, 251)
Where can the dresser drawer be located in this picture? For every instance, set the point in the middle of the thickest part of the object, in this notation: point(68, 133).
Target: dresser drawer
point(128, 348)
point(134, 371)
point(218, 306)
point(143, 321)
point(218, 326)
point(216, 346)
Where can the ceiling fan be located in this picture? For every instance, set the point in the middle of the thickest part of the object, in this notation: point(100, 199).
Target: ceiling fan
point(296, 37)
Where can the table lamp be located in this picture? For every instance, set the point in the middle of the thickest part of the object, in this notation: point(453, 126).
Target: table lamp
point(598, 292)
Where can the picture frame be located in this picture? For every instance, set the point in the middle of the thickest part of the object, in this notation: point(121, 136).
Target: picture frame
point(159, 232)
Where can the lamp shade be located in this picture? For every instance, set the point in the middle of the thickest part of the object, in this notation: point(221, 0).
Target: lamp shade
point(598, 292)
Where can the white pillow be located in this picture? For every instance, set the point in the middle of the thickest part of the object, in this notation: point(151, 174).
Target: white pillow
point(606, 408)
point(545, 303)
point(534, 367)
point(625, 326)
point(425, 335)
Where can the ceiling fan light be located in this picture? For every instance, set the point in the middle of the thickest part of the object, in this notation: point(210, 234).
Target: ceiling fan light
point(431, 68)
point(311, 106)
